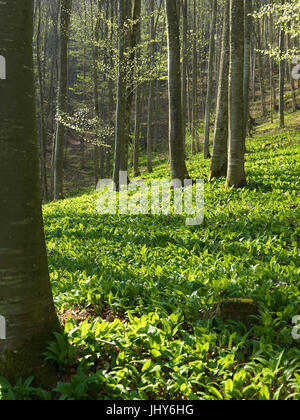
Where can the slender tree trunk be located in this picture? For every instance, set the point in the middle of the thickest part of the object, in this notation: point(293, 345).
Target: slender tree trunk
point(151, 92)
point(247, 53)
point(120, 135)
point(273, 100)
point(138, 113)
point(128, 38)
point(271, 74)
point(184, 6)
point(134, 22)
point(261, 72)
point(26, 301)
point(194, 83)
point(43, 131)
point(281, 77)
point(236, 161)
point(218, 167)
point(65, 18)
point(177, 155)
point(210, 81)
point(137, 132)
point(292, 81)
point(96, 38)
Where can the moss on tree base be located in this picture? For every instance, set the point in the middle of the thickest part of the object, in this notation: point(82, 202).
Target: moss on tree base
point(29, 361)
point(217, 174)
point(242, 183)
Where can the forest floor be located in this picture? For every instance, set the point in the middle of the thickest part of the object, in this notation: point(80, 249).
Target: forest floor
point(136, 293)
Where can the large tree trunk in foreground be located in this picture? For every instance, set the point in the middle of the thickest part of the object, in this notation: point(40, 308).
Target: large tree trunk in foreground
point(26, 301)
point(176, 141)
point(236, 159)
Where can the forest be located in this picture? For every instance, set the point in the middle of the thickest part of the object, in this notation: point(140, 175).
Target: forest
point(149, 230)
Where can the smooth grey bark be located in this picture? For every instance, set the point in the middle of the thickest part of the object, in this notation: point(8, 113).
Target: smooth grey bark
point(271, 72)
point(218, 166)
point(65, 18)
point(137, 131)
point(134, 23)
point(236, 153)
point(176, 144)
point(247, 54)
point(194, 146)
point(281, 77)
point(41, 88)
point(26, 300)
point(271, 64)
point(96, 38)
point(206, 151)
point(138, 113)
point(120, 135)
point(292, 81)
point(151, 90)
point(128, 30)
point(184, 7)
point(261, 72)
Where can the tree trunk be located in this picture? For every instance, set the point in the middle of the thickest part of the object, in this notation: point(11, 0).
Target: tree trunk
point(281, 78)
point(219, 157)
point(184, 6)
point(194, 148)
point(292, 81)
point(120, 135)
point(151, 91)
point(177, 155)
point(134, 22)
point(129, 23)
point(137, 132)
point(236, 164)
point(26, 301)
point(210, 81)
point(43, 131)
point(247, 54)
point(96, 38)
point(65, 18)
point(261, 72)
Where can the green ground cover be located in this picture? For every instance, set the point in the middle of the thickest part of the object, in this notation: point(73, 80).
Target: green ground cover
point(136, 293)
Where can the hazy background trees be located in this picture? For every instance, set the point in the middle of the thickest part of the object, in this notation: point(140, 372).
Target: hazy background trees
point(119, 65)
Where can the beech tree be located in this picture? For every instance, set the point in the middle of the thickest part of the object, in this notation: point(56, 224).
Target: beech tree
point(210, 80)
point(176, 140)
point(65, 17)
point(236, 153)
point(26, 303)
point(128, 36)
point(218, 166)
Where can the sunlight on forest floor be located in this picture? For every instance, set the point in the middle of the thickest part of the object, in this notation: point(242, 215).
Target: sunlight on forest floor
point(135, 293)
